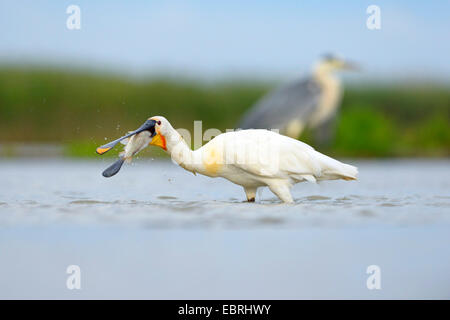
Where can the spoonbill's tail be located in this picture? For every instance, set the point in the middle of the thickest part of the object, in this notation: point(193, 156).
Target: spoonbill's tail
point(333, 169)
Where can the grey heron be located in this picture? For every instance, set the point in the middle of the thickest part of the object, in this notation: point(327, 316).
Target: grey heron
point(305, 103)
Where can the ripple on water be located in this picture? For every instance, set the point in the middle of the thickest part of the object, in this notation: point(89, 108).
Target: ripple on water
point(271, 220)
point(167, 198)
point(187, 207)
point(442, 197)
point(29, 202)
point(89, 202)
point(74, 197)
point(45, 206)
point(387, 204)
point(344, 199)
point(314, 198)
point(438, 204)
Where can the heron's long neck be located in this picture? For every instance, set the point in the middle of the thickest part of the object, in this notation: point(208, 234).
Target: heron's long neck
point(325, 77)
point(331, 95)
point(179, 151)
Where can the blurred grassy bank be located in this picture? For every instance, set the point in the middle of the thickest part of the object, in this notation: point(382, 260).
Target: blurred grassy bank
point(79, 110)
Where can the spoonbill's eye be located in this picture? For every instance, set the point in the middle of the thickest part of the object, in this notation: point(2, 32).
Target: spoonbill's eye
point(158, 122)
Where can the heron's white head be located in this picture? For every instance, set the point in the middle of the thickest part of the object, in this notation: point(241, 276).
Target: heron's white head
point(331, 63)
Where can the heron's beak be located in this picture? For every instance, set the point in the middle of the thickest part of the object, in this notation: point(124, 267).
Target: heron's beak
point(350, 65)
point(148, 125)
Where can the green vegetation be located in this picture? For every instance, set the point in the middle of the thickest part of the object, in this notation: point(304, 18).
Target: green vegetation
point(80, 110)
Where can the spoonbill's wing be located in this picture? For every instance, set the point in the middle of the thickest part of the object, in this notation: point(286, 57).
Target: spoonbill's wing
point(283, 157)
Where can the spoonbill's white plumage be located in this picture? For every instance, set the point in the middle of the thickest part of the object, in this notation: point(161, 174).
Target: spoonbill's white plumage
point(249, 158)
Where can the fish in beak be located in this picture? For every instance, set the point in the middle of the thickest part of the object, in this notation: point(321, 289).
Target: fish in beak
point(140, 139)
point(148, 125)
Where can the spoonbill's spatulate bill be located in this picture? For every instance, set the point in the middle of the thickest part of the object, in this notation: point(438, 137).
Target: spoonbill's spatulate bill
point(249, 158)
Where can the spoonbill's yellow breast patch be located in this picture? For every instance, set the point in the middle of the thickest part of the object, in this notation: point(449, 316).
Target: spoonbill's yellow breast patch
point(212, 160)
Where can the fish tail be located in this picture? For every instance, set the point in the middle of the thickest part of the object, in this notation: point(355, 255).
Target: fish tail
point(113, 169)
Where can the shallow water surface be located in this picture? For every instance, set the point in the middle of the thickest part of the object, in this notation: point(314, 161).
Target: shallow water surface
point(161, 232)
point(158, 194)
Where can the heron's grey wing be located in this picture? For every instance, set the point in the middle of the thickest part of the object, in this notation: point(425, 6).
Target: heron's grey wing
point(324, 132)
point(296, 100)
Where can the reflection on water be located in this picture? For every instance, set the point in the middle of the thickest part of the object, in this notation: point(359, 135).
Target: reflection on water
point(156, 231)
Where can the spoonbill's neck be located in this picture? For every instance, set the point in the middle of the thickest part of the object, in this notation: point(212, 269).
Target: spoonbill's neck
point(179, 151)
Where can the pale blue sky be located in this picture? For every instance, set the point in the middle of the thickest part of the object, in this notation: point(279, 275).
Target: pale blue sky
point(237, 38)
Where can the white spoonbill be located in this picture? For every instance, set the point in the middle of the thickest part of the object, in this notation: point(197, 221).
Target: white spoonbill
point(250, 158)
